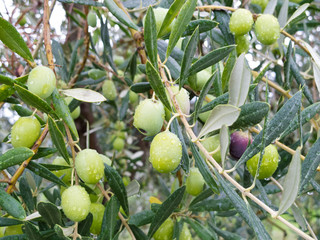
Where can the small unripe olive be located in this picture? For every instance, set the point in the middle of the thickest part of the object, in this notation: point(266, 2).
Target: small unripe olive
point(120, 125)
point(205, 115)
point(182, 98)
point(89, 166)
point(92, 19)
point(242, 44)
point(109, 90)
point(118, 60)
point(41, 81)
point(133, 97)
point(185, 233)
point(148, 117)
point(165, 152)
point(96, 73)
point(97, 211)
point(160, 14)
point(75, 113)
point(195, 182)
point(165, 231)
point(241, 21)
point(25, 132)
point(267, 29)
point(261, 3)
point(201, 79)
point(75, 203)
point(66, 172)
point(118, 144)
point(269, 162)
point(211, 144)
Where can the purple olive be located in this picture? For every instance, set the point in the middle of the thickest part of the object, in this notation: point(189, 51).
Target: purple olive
point(238, 143)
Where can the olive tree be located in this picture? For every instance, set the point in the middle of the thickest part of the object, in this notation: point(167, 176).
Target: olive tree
point(162, 119)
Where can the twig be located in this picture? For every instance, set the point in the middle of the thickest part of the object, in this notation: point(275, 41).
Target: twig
point(123, 220)
point(20, 170)
point(46, 34)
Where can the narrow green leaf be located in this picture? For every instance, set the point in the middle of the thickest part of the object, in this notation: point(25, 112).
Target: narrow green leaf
point(124, 107)
point(283, 14)
point(249, 217)
point(251, 114)
point(310, 164)
point(298, 216)
point(180, 24)
point(239, 82)
point(24, 112)
point(210, 59)
point(150, 37)
point(223, 114)
point(261, 74)
point(226, 234)
point(257, 225)
point(119, 14)
point(188, 57)
point(26, 194)
point(84, 225)
point(274, 128)
point(300, 80)
point(11, 205)
point(117, 186)
point(5, 92)
point(14, 156)
point(13, 40)
point(223, 99)
point(50, 213)
point(45, 173)
point(109, 219)
point(306, 115)
point(222, 204)
point(5, 221)
point(63, 111)
point(6, 80)
point(297, 13)
point(224, 143)
point(204, 91)
point(185, 161)
point(223, 19)
point(142, 218)
point(204, 25)
point(138, 233)
point(140, 87)
point(316, 74)
point(58, 139)
point(60, 60)
point(43, 152)
point(202, 196)
point(84, 95)
point(171, 63)
point(291, 183)
point(204, 170)
point(83, 2)
point(157, 85)
point(74, 55)
point(270, 7)
point(227, 70)
point(33, 100)
point(203, 232)
point(170, 16)
point(165, 210)
point(32, 232)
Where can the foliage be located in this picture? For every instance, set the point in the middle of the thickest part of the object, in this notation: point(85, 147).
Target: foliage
point(109, 56)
